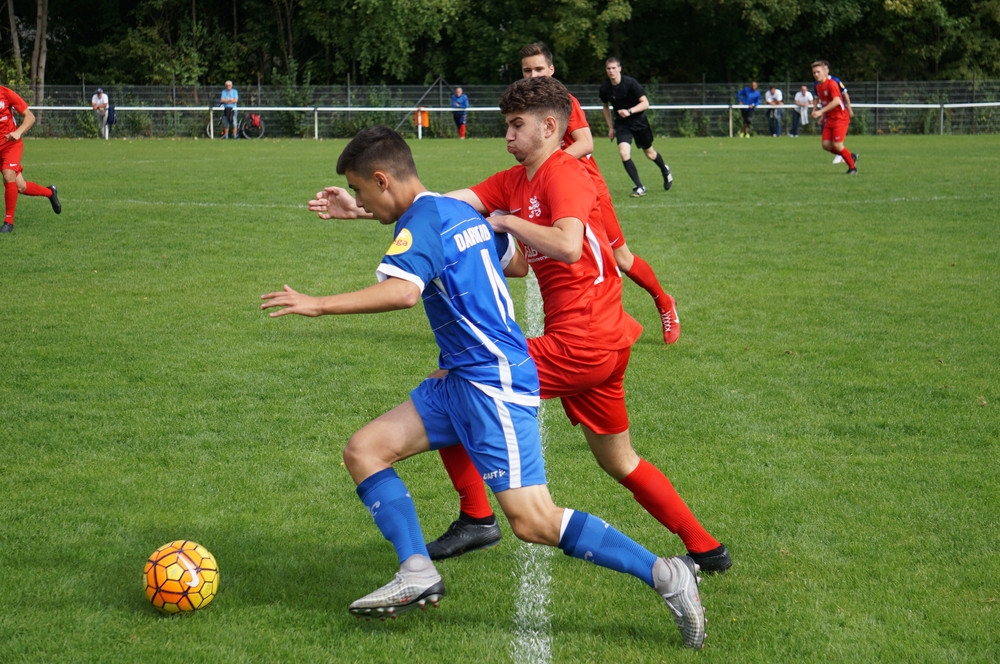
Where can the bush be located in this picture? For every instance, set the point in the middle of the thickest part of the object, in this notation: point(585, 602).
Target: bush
point(86, 124)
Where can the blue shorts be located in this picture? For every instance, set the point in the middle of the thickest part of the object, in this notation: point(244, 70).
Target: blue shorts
point(501, 437)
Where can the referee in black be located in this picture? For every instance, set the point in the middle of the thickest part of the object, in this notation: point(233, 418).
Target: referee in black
point(627, 98)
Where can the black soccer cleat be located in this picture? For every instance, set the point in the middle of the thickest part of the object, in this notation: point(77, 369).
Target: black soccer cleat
point(668, 179)
point(715, 561)
point(462, 537)
point(54, 199)
point(852, 171)
point(7, 227)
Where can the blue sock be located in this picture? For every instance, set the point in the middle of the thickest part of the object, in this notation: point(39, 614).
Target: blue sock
point(591, 539)
point(389, 502)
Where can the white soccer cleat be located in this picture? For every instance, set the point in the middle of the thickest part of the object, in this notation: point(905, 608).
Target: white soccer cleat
point(415, 584)
point(676, 581)
point(838, 159)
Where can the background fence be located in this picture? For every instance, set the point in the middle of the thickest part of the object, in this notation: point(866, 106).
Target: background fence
point(881, 107)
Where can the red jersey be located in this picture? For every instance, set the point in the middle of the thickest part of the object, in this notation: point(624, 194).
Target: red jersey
point(578, 120)
point(826, 92)
point(10, 100)
point(582, 300)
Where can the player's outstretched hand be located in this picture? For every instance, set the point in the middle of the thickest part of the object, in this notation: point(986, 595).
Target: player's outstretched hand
point(337, 203)
point(293, 303)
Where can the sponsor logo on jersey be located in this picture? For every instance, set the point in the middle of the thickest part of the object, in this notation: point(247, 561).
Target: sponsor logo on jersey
point(401, 244)
point(532, 255)
point(473, 236)
point(499, 472)
point(534, 208)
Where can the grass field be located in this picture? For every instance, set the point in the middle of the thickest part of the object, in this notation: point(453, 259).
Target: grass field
point(831, 411)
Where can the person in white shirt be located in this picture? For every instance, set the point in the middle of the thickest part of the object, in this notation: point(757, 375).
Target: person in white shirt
point(99, 102)
point(803, 105)
point(774, 101)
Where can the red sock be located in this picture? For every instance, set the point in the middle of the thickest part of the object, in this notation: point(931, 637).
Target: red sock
point(847, 157)
point(9, 201)
point(654, 491)
point(33, 189)
point(642, 274)
point(466, 480)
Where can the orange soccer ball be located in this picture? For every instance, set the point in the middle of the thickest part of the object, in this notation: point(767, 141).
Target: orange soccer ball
point(181, 576)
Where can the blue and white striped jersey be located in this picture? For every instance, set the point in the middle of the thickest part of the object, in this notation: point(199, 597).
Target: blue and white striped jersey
point(448, 249)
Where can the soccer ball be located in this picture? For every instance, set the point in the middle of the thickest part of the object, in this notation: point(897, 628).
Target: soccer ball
point(181, 576)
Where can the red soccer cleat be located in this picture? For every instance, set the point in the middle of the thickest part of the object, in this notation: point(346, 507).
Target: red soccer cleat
point(671, 323)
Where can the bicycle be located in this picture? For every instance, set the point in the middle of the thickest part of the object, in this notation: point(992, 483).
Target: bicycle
point(250, 125)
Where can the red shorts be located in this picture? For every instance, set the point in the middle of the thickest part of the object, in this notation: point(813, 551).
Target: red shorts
point(589, 382)
point(835, 131)
point(10, 155)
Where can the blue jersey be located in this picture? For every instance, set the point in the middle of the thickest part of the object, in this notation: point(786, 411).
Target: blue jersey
point(448, 249)
point(748, 96)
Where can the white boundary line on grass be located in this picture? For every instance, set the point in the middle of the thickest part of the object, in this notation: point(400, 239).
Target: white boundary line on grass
point(205, 204)
point(810, 203)
point(532, 640)
point(625, 203)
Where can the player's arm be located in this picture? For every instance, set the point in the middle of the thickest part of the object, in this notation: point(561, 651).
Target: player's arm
point(583, 143)
point(607, 119)
point(517, 267)
point(470, 197)
point(337, 203)
point(27, 120)
point(562, 241)
point(834, 103)
point(388, 295)
point(638, 108)
point(847, 102)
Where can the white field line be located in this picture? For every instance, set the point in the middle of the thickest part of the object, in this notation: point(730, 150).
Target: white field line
point(646, 203)
point(532, 640)
point(205, 204)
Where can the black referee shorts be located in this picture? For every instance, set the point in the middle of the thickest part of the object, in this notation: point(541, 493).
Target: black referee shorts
point(642, 134)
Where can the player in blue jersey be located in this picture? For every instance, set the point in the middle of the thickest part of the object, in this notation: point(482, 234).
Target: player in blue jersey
point(485, 397)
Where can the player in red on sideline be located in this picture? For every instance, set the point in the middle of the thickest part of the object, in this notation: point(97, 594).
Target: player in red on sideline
point(10, 154)
point(830, 107)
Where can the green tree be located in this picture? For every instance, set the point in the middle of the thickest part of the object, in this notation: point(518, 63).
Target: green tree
point(482, 46)
point(376, 39)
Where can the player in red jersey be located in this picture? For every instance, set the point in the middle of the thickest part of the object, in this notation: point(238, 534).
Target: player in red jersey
point(536, 60)
point(10, 154)
point(831, 109)
point(582, 356)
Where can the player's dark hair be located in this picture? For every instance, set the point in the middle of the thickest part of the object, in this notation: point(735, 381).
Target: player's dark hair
point(613, 59)
point(377, 148)
point(537, 95)
point(537, 48)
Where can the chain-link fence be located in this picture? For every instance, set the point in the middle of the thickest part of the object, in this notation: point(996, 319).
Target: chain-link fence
point(886, 107)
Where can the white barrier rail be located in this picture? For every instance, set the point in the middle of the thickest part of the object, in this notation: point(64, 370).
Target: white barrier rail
point(412, 110)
